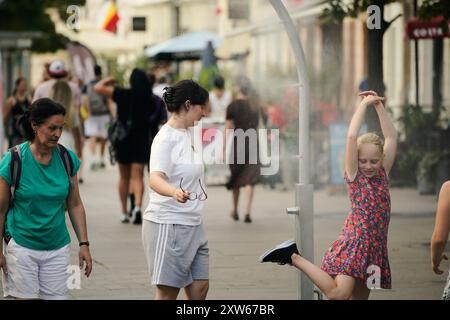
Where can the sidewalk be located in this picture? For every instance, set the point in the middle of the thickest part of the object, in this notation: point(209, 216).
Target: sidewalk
point(120, 270)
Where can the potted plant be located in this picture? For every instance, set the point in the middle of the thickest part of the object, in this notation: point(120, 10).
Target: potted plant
point(423, 150)
point(432, 170)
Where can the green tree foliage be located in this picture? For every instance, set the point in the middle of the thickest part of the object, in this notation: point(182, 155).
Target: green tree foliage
point(30, 15)
point(434, 8)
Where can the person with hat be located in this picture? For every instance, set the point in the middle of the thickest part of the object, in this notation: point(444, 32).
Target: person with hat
point(58, 73)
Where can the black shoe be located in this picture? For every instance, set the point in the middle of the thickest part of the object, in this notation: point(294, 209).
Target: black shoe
point(247, 219)
point(132, 204)
point(80, 181)
point(102, 165)
point(234, 215)
point(281, 254)
point(137, 217)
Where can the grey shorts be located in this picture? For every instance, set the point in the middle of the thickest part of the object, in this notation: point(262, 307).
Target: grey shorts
point(176, 254)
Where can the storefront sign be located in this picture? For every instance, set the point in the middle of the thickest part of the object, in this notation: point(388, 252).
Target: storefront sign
point(419, 29)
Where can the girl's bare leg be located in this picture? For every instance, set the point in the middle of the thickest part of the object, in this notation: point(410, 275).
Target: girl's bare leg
point(339, 288)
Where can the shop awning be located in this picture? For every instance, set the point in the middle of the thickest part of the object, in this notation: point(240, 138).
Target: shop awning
point(188, 46)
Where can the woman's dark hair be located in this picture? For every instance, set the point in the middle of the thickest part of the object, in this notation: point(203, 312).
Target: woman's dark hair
point(184, 90)
point(39, 111)
point(16, 84)
point(219, 82)
point(141, 93)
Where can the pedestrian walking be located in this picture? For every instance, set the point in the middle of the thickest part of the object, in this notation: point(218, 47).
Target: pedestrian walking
point(58, 72)
point(175, 243)
point(219, 98)
point(243, 115)
point(71, 134)
point(440, 235)
point(16, 105)
point(362, 243)
point(134, 107)
point(35, 251)
point(157, 118)
point(95, 126)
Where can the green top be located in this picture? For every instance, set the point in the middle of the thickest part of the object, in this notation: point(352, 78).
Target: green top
point(37, 217)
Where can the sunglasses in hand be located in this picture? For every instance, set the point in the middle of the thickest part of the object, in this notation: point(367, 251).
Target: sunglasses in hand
point(193, 195)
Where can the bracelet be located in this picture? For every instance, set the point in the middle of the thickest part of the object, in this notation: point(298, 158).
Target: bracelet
point(84, 243)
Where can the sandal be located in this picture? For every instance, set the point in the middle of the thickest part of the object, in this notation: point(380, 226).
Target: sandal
point(234, 215)
point(247, 218)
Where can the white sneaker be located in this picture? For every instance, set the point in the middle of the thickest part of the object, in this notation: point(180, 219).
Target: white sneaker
point(124, 218)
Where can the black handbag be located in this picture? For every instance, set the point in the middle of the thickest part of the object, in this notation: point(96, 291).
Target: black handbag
point(117, 132)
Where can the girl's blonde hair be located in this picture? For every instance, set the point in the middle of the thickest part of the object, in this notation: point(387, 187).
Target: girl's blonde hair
point(62, 93)
point(370, 138)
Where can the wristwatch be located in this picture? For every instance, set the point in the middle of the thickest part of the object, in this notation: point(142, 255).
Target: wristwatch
point(84, 243)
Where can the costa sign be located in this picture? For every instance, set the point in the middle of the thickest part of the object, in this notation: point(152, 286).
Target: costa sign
point(419, 29)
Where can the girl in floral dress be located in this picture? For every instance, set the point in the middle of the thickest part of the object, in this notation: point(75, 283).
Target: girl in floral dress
point(358, 259)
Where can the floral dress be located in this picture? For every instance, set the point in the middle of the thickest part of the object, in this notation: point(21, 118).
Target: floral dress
point(362, 244)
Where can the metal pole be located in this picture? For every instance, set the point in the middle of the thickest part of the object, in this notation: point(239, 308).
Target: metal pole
point(416, 58)
point(304, 191)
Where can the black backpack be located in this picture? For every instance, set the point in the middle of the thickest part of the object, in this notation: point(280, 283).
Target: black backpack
point(16, 168)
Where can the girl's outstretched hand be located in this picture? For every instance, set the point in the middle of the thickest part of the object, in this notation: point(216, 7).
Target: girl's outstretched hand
point(436, 264)
point(368, 93)
point(371, 97)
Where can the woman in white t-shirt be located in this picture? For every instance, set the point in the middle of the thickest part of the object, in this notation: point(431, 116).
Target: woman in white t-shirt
point(175, 242)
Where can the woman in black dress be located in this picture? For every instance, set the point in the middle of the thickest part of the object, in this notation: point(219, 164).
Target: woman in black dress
point(15, 106)
point(243, 113)
point(134, 106)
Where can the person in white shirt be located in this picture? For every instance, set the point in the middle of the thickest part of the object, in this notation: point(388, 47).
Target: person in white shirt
point(219, 99)
point(160, 85)
point(175, 243)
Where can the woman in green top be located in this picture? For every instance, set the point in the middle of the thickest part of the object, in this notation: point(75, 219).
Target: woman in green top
point(34, 255)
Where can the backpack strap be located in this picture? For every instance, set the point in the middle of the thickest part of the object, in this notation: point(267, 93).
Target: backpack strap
point(67, 162)
point(16, 170)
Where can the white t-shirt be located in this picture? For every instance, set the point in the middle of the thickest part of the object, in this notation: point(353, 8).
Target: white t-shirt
point(219, 105)
point(159, 89)
point(172, 153)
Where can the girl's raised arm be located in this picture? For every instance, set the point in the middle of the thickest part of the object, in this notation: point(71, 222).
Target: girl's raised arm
point(390, 137)
point(389, 132)
point(351, 150)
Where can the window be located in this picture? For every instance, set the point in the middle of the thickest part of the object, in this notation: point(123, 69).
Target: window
point(139, 24)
